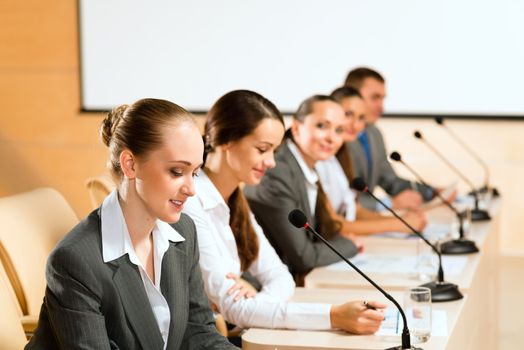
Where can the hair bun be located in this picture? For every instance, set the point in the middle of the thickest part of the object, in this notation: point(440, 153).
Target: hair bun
point(110, 123)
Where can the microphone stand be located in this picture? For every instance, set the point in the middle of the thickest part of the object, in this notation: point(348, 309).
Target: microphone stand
point(299, 220)
point(486, 187)
point(440, 290)
point(455, 246)
point(477, 214)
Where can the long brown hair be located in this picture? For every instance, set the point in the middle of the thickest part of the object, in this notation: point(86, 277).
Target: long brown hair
point(326, 222)
point(234, 116)
point(343, 155)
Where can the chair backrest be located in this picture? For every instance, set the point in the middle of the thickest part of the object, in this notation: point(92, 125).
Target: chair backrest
point(31, 224)
point(12, 336)
point(98, 188)
point(14, 280)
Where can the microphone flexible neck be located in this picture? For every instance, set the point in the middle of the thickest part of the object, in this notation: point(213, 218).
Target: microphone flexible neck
point(406, 341)
point(472, 153)
point(420, 235)
point(450, 165)
point(442, 199)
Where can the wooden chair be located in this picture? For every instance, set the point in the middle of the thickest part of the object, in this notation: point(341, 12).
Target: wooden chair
point(12, 335)
point(98, 188)
point(31, 224)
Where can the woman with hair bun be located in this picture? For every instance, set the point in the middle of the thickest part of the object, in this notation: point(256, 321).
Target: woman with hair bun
point(127, 276)
point(242, 131)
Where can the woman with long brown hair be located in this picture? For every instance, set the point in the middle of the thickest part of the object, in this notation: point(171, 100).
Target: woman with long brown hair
point(242, 131)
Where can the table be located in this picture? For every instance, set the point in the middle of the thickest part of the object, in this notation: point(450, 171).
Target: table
point(261, 339)
point(472, 321)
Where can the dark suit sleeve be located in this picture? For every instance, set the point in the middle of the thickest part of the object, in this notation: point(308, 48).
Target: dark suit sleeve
point(271, 201)
point(71, 310)
point(387, 177)
point(201, 332)
point(359, 170)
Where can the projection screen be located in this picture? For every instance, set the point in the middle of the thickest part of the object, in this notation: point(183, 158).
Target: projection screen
point(448, 57)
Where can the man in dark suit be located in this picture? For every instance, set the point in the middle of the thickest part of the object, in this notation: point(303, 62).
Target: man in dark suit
point(369, 156)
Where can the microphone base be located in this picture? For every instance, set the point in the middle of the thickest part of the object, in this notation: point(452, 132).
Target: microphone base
point(479, 215)
point(443, 291)
point(494, 191)
point(458, 246)
point(401, 348)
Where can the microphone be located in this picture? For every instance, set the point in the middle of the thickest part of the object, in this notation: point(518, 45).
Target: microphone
point(455, 246)
point(485, 188)
point(298, 219)
point(440, 290)
point(477, 214)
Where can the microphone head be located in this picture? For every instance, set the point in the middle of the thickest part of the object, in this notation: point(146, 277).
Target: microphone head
point(439, 120)
point(395, 156)
point(297, 218)
point(417, 134)
point(359, 184)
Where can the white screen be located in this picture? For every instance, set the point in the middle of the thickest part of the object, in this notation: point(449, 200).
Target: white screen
point(451, 57)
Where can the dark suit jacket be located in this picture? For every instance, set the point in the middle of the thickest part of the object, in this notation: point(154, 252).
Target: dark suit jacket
point(281, 190)
point(381, 174)
point(90, 304)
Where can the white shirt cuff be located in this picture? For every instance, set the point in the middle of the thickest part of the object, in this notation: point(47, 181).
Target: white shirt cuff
point(308, 316)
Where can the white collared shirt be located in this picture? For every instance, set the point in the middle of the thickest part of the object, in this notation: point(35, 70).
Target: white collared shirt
point(269, 308)
point(336, 185)
point(117, 242)
point(310, 175)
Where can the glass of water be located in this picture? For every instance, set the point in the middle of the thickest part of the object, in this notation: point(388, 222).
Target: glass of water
point(417, 306)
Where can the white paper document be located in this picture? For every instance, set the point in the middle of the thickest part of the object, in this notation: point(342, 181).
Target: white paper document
point(433, 232)
point(397, 264)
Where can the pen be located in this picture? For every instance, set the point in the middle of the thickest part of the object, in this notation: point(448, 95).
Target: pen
point(368, 306)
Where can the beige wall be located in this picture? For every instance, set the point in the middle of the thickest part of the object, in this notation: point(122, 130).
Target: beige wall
point(46, 141)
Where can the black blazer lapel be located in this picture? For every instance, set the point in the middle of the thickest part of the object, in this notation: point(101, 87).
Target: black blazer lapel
point(136, 304)
point(175, 289)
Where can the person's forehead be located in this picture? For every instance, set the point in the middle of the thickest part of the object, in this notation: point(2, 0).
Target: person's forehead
point(371, 82)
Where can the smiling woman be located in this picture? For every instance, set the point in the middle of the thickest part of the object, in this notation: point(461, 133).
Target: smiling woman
point(243, 130)
point(317, 132)
point(122, 278)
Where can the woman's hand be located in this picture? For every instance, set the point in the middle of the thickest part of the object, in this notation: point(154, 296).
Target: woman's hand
point(417, 219)
point(358, 317)
point(407, 199)
point(242, 288)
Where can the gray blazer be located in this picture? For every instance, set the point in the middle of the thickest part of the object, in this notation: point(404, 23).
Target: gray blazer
point(90, 304)
point(381, 174)
point(281, 190)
